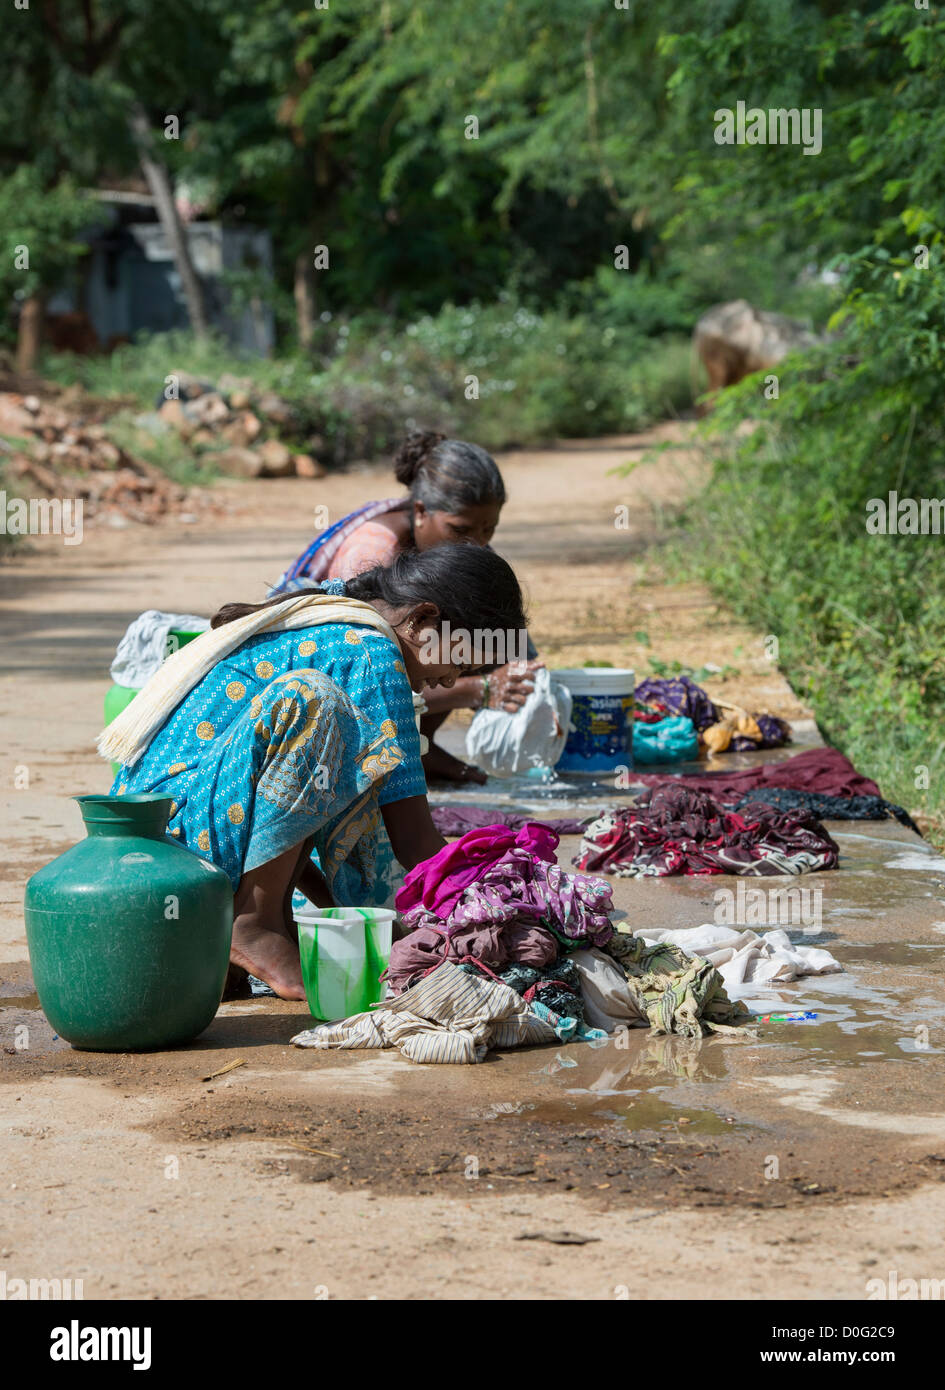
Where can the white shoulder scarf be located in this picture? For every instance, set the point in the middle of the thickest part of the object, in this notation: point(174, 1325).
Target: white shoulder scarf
point(128, 736)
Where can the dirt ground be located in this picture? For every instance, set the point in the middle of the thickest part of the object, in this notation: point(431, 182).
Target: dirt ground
point(800, 1163)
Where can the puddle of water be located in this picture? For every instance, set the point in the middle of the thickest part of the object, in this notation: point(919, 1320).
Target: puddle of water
point(861, 836)
point(28, 1003)
point(887, 952)
point(653, 1112)
point(856, 1021)
point(634, 1083)
point(558, 794)
point(932, 863)
point(862, 1041)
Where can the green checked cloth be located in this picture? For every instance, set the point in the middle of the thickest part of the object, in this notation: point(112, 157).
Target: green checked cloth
point(678, 993)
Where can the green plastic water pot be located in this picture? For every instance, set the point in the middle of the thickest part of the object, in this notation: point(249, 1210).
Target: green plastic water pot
point(129, 933)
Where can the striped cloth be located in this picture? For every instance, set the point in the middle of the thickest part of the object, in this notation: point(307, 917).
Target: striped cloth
point(449, 1016)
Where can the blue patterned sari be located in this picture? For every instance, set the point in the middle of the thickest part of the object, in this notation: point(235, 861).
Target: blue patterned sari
point(295, 734)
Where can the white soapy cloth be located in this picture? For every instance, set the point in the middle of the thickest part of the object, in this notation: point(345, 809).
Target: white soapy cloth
point(745, 959)
point(142, 649)
point(504, 744)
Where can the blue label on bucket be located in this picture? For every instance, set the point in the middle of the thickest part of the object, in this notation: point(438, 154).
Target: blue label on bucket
point(599, 733)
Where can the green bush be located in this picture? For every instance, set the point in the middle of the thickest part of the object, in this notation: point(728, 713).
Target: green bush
point(500, 374)
point(781, 529)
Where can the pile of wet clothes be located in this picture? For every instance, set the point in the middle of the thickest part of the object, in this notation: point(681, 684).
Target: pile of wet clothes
point(496, 898)
point(675, 830)
point(718, 728)
point(503, 947)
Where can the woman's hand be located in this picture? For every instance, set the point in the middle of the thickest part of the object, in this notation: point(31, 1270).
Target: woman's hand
point(511, 685)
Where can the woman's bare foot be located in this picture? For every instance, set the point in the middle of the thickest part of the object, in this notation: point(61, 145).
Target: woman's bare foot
point(439, 764)
point(270, 956)
point(264, 939)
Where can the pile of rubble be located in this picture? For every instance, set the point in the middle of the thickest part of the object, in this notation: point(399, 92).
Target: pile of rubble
point(57, 443)
point(234, 426)
point(54, 448)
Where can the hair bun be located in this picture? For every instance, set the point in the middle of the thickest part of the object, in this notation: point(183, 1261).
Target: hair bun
point(413, 453)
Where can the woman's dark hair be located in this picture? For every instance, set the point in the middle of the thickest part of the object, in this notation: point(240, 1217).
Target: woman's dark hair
point(472, 586)
point(447, 475)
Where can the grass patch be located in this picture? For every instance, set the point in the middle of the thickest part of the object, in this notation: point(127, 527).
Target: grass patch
point(781, 532)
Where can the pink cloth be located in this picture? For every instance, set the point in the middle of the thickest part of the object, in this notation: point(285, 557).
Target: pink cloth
point(369, 545)
point(438, 883)
point(500, 898)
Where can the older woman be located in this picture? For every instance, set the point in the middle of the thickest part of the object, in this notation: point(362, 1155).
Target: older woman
point(286, 737)
point(455, 494)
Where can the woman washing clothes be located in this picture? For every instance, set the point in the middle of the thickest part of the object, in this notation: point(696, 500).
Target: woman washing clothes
point(455, 495)
point(286, 737)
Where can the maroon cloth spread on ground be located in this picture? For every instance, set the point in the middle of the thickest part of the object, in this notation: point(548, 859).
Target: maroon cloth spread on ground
point(818, 770)
point(456, 820)
point(675, 830)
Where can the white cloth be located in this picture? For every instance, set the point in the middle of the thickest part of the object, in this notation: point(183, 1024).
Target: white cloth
point(608, 1002)
point(448, 1016)
point(503, 744)
point(142, 649)
point(746, 959)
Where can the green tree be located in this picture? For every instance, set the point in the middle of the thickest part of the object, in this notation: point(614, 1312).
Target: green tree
point(39, 231)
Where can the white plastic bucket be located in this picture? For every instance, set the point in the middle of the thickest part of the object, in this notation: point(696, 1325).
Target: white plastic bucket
point(343, 951)
point(600, 733)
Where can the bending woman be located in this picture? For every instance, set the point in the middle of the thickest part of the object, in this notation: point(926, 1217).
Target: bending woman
point(286, 737)
point(455, 495)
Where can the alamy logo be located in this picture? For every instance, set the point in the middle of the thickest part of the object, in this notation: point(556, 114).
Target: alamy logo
point(894, 1289)
point(905, 516)
point(777, 126)
point(42, 516)
point(802, 908)
point(76, 1343)
point(14, 1290)
point(481, 646)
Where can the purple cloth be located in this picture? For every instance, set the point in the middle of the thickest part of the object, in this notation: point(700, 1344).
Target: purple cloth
point(456, 820)
point(818, 770)
point(438, 883)
point(680, 695)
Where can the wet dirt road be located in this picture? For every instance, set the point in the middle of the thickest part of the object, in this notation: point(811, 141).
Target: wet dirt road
point(800, 1163)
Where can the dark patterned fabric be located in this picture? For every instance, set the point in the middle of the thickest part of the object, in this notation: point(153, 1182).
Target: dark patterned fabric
point(556, 986)
point(673, 830)
point(829, 807)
